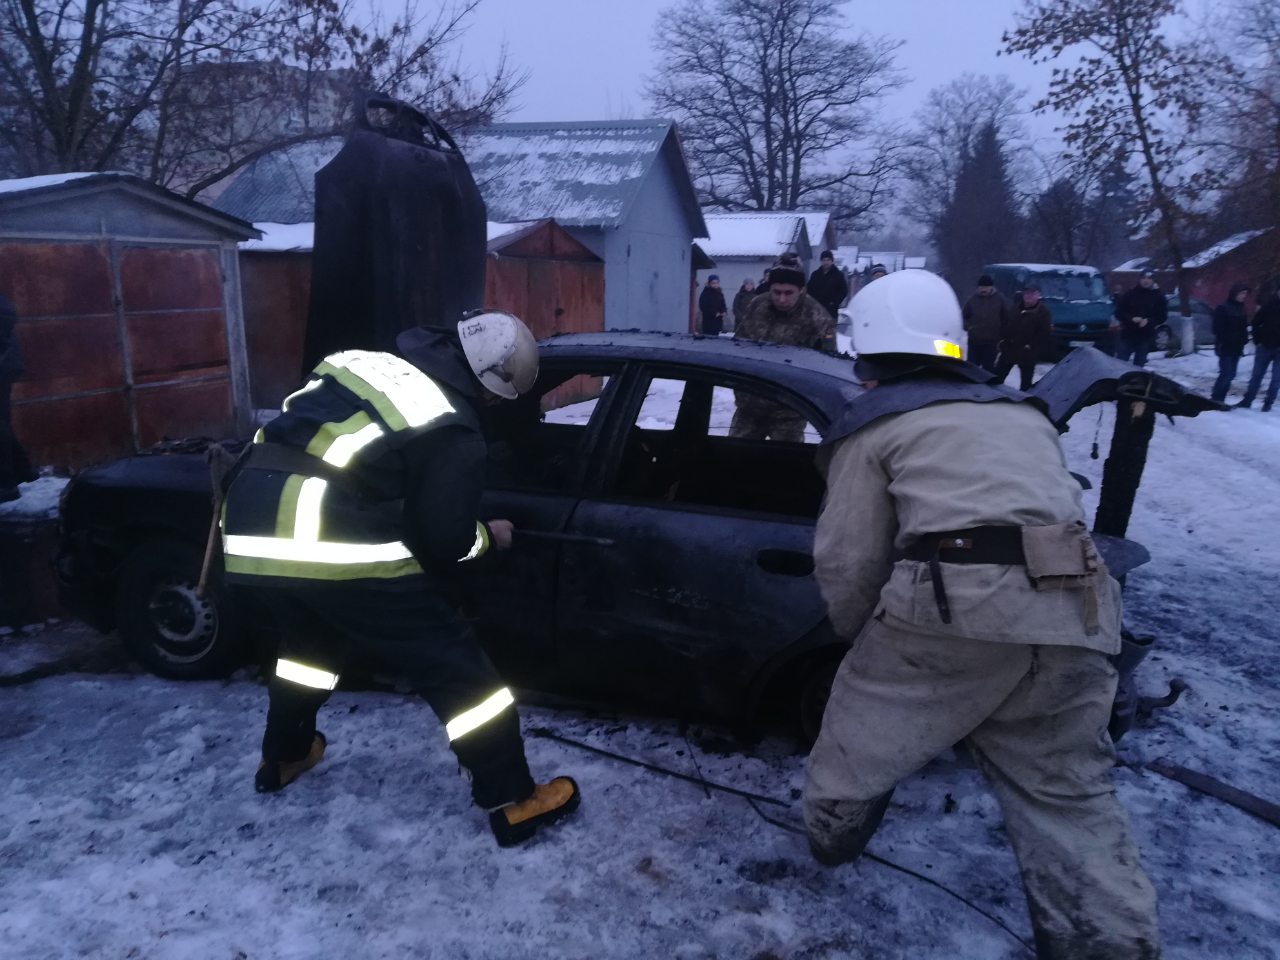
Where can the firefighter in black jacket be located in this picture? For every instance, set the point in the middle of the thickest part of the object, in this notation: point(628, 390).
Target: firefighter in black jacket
point(350, 508)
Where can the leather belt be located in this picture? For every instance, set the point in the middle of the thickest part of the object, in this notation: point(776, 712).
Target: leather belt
point(975, 545)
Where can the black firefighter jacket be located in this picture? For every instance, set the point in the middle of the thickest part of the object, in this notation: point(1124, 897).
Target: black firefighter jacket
point(390, 491)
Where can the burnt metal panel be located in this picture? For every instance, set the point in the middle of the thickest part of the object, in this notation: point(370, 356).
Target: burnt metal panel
point(172, 343)
point(74, 431)
point(56, 279)
point(199, 408)
point(275, 289)
point(159, 278)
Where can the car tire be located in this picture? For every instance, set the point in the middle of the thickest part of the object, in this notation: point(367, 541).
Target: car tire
point(1164, 339)
point(811, 697)
point(164, 625)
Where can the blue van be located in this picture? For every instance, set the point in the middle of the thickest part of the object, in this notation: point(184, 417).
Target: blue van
point(1076, 296)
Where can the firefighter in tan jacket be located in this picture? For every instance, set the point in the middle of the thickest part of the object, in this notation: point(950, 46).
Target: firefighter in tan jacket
point(952, 546)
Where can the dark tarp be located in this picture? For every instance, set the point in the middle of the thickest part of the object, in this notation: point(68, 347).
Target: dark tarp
point(399, 236)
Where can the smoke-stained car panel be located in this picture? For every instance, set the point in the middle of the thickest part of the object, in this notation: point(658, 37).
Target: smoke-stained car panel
point(657, 560)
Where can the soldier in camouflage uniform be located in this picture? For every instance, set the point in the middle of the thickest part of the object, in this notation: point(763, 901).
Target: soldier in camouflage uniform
point(786, 314)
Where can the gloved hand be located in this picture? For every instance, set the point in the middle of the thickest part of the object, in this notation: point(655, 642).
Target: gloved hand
point(500, 533)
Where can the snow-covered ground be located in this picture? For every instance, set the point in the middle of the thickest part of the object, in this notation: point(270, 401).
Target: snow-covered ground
point(130, 827)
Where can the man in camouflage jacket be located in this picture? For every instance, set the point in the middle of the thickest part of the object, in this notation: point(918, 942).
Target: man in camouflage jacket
point(786, 314)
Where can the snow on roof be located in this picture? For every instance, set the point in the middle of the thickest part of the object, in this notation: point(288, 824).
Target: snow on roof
point(815, 222)
point(1222, 247)
point(580, 174)
point(492, 231)
point(1137, 263)
point(914, 263)
point(846, 255)
point(279, 237)
point(1068, 268)
point(279, 187)
point(763, 234)
point(39, 183)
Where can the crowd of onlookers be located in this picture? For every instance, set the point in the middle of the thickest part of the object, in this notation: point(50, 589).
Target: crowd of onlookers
point(1003, 335)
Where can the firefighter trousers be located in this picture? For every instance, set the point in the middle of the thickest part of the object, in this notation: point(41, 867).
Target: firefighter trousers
point(410, 633)
point(1034, 719)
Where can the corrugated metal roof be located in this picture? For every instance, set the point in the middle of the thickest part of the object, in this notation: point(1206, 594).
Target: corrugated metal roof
point(280, 186)
point(761, 234)
point(1221, 248)
point(579, 174)
point(584, 174)
point(815, 222)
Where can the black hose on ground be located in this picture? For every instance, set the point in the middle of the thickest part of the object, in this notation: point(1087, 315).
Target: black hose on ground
point(753, 799)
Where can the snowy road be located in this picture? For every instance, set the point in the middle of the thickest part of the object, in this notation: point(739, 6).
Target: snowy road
point(129, 827)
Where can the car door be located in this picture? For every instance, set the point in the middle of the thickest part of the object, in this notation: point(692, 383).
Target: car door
point(538, 448)
point(695, 563)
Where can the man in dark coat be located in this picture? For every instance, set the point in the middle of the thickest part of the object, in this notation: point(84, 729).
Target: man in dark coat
point(742, 299)
point(14, 466)
point(1141, 311)
point(827, 285)
point(1266, 339)
point(986, 315)
point(1025, 337)
point(1230, 334)
point(712, 306)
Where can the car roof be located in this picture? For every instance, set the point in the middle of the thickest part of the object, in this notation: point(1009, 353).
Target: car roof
point(827, 381)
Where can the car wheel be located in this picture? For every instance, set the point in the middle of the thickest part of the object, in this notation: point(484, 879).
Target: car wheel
point(164, 624)
point(1164, 339)
point(812, 695)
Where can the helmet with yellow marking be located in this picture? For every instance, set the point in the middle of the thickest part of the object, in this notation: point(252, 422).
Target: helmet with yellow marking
point(908, 312)
point(501, 352)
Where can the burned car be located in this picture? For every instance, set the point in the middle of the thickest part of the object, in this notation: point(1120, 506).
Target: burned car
point(657, 560)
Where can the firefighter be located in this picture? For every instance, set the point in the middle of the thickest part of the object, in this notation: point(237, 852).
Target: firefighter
point(951, 549)
point(349, 511)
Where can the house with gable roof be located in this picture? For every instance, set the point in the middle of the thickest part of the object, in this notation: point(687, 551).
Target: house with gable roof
point(745, 245)
point(621, 188)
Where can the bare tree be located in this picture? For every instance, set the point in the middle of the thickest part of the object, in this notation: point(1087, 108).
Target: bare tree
point(775, 108)
point(1082, 213)
point(1133, 94)
point(186, 92)
point(945, 132)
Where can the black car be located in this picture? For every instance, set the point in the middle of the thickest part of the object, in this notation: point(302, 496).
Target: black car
point(657, 560)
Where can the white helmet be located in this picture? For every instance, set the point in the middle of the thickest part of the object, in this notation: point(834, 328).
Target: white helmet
point(909, 311)
point(501, 351)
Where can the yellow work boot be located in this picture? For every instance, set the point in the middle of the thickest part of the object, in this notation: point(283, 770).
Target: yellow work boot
point(278, 774)
point(549, 802)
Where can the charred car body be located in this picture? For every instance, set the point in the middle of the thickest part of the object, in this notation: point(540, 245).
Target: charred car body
point(658, 561)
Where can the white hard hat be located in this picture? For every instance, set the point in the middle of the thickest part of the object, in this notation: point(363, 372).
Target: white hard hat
point(501, 351)
point(909, 311)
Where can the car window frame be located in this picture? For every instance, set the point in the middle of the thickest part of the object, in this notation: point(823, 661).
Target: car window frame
point(625, 410)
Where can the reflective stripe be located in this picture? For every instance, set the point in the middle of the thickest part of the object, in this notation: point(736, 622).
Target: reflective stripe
point(296, 672)
point(946, 348)
point(468, 720)
point(329, 572)
point(307, 524)
point(314, 551)
point(305, 388)
point(347, 445)
point(402, 394)
point(481, 543)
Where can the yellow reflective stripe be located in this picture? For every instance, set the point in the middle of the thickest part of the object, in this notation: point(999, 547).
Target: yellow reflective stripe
point(481, 543)
point(946, 348)
point(307, 676)
point(346, 444)
point(327, 572)
point(402, 394)
point(307, 525)
point(314, 551)
point(287, 508)
point(468, 720)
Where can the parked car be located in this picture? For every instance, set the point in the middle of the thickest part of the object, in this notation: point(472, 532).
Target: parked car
point(657, 560)
point(1169, 334)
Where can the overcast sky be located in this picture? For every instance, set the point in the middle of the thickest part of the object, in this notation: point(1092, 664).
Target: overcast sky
point(587, 60)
